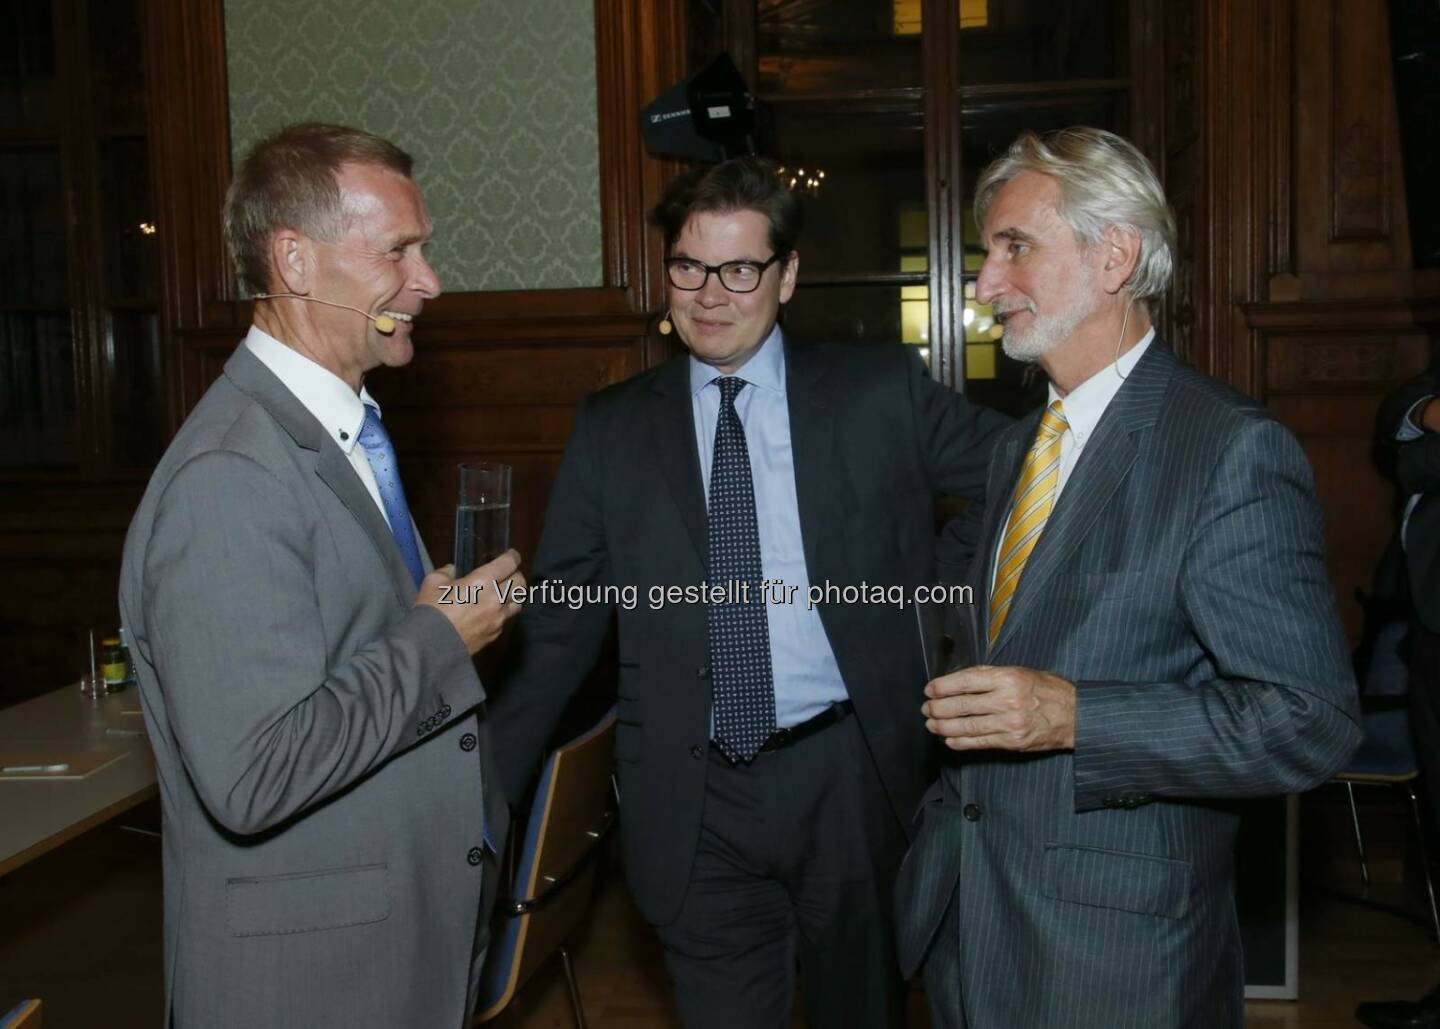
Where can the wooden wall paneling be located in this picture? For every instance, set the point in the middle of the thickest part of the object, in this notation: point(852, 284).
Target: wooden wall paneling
point(1351, 233)
point(1328, 366)
point(60, 558)
point(1303, 293)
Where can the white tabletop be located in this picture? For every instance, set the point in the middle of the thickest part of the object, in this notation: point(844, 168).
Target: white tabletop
point(37, 815)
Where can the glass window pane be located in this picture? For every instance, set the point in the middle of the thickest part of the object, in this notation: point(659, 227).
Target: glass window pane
point(136, 390)
point(127, 221)
point(32, 229)
point(855, 314)
point(809, 46)
point(1009, 41)
point(28, 93)
point(117, 64)
point(37, 390)
point(866, 206)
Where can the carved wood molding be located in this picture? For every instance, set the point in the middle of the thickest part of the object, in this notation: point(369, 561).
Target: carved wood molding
point(1360, 168)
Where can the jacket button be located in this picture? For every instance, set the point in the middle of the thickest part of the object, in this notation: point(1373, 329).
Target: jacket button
point(972, 812)
point(475, 856)
point(697, 752)
point(703, 672)
point(467, 742)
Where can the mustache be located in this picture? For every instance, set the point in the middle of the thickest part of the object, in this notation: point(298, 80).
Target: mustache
point(1003, 312)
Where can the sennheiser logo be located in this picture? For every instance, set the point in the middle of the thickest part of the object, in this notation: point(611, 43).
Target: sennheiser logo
point(656, 119)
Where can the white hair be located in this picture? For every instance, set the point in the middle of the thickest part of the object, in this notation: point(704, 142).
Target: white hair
point(1104, 182)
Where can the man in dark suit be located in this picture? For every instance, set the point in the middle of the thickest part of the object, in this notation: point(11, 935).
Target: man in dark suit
point(1157, 633)
point(767, 752)
point(331, 817)
point(1410, 418)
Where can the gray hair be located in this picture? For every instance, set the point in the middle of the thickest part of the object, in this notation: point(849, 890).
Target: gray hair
point(287, 181)
point(1104, 181)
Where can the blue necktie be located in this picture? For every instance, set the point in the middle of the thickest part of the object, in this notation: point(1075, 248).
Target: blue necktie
point(380, 452)
point(741, 677)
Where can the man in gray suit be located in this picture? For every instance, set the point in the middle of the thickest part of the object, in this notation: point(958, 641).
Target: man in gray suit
point(330, 816)
point(1158, 635)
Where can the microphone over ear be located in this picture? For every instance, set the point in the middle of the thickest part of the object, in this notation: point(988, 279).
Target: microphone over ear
point(664, 327)
point(383, 322)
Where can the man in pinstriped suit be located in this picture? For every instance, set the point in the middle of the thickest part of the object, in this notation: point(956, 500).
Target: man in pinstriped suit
point(1157, 635)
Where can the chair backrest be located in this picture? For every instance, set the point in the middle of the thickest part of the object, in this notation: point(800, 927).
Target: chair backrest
point(25, 1015)
point(1386, 746)
point(571, 814)
point(1388, 673)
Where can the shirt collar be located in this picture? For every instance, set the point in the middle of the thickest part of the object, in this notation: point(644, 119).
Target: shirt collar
point(1087, 402)
point(765, 369)
point(323, 393)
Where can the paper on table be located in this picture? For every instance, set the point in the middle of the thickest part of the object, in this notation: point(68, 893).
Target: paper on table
point(79, 763)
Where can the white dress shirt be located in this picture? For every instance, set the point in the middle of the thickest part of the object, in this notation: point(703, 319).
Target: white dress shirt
point(1084, 406)
point(1087, 402)
point(326, 396)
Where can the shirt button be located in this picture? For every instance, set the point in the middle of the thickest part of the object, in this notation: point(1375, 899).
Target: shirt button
point(972, 812)
point(697, 752)
point(475, 856)
point(467, 742)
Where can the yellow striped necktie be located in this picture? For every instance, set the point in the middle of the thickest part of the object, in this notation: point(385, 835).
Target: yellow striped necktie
point(1034, 499)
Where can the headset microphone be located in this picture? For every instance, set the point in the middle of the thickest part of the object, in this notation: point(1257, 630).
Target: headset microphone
point(383, 322)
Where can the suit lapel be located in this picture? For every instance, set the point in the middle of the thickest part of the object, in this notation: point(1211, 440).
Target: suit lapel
point(812, 445)
point(672, 428)
point(250, 375)
point(1103, 466)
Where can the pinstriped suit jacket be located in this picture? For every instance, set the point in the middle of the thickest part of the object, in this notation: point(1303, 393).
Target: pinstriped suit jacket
point(1181, 585)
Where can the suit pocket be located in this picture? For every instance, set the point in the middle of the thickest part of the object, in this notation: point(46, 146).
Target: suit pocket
point(305, 902)
point(1140, 883)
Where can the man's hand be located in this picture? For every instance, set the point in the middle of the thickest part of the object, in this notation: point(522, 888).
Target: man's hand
point(1428, 417)
point(996, 708)
point(480, 604)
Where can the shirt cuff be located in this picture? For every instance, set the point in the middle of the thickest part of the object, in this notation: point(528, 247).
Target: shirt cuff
point(1409, 425)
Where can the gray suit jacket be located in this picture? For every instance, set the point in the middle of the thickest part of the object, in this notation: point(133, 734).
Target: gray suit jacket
point(323, 775)
point(1181, 584)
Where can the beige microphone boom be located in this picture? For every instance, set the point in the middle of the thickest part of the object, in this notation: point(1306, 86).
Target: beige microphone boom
point(383, 323)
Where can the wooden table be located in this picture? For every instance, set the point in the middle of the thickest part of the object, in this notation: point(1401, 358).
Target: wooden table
point(38, 815)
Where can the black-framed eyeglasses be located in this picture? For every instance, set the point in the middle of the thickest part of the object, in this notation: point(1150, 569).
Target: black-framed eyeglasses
point(736, 276)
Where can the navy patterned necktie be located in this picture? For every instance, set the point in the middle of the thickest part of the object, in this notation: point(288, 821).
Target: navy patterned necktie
point(740, 674)
point(380, 452)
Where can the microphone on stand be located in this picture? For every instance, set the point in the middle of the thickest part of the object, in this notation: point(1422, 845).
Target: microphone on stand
point(383, 323)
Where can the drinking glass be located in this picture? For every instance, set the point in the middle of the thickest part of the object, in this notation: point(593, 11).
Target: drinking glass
point(482, 517)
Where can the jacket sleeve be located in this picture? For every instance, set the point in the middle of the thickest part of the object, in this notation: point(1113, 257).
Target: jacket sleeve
point(265, 726)
point(1281, 712)
point(556, 644)
point(957, 438)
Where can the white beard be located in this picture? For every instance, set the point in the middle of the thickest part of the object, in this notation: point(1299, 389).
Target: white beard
point(1046, 332)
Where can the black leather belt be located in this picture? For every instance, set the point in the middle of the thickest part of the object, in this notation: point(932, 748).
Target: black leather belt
point(782, 738)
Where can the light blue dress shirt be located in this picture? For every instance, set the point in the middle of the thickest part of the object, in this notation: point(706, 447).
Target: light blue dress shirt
point(807, 678)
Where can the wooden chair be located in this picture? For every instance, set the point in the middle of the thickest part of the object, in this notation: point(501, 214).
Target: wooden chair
point(25, 1015)
point(573, 811)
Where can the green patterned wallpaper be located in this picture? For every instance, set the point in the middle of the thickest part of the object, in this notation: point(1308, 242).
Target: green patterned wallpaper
point(494, 98)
